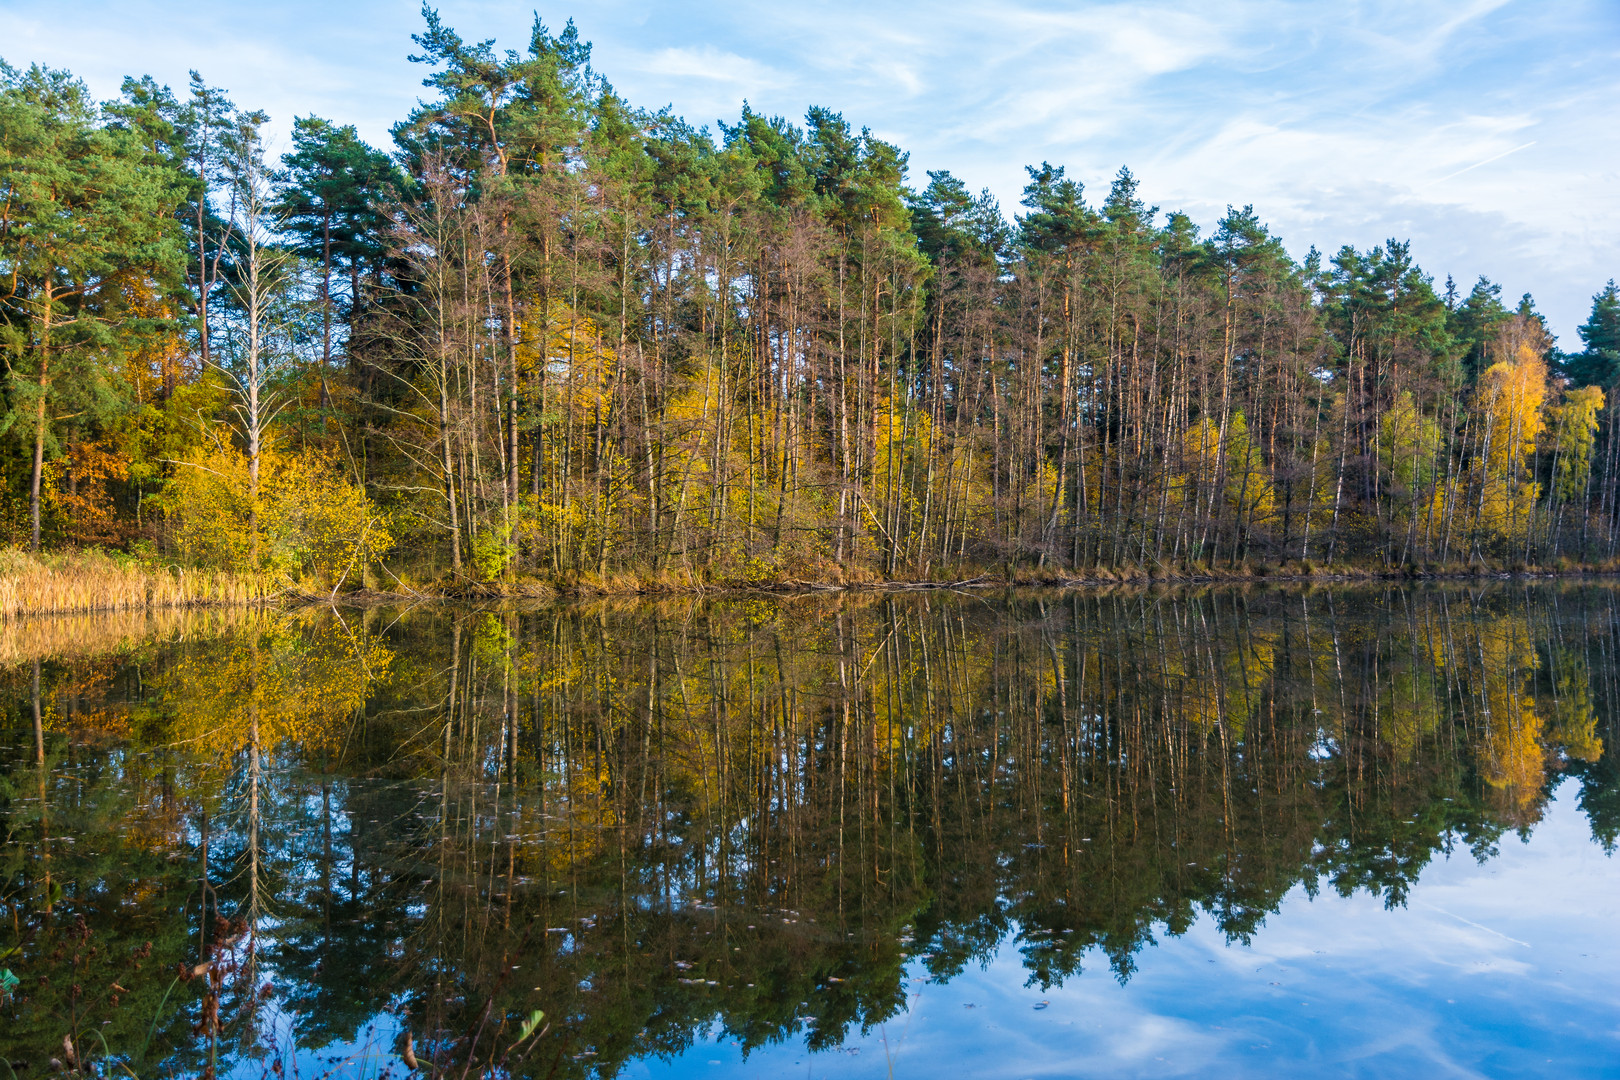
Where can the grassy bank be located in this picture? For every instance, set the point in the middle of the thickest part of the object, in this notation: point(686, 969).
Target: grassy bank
point(830, 576)
point(95, 581)
point(92, 580)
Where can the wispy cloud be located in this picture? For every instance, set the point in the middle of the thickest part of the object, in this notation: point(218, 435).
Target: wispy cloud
point(1478, 164)
point(708, 62)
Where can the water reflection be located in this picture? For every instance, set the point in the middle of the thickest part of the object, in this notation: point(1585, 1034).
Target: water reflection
point(230, 835)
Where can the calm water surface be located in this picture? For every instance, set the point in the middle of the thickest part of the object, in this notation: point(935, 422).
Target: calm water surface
point(1235, 832)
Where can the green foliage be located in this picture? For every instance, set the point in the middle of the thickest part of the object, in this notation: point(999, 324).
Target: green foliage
point(87, 229)
point(1599, 364)
point(1476, 321)
point(493, 551)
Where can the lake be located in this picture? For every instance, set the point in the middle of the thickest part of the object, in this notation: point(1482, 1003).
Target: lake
point(1231, 831)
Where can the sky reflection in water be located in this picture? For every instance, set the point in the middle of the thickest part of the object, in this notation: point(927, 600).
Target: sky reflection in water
point(1237, 832)
point(1494, 970)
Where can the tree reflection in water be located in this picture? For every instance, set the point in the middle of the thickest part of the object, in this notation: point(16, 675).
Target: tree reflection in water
point(257, 831)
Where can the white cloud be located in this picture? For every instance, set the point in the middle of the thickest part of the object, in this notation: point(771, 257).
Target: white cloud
point(707, 62)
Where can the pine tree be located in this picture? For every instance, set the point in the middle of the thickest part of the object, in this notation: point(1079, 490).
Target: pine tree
point(326, 197)
point(87, 218)
point(1599, 363)
point(1474, 323)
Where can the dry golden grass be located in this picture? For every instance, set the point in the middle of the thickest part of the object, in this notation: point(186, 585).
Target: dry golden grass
point(96, 581)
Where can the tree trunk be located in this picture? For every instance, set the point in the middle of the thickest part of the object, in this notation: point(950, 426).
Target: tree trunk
point(39, 420)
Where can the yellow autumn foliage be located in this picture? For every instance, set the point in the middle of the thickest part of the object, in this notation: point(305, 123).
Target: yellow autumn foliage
point(309, 519)
point(1574, 423)
point(1248, 489)
point(1512, 392)
point(1408, 442)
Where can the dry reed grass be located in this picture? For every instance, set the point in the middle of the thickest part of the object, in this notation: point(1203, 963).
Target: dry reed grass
point(97, 581)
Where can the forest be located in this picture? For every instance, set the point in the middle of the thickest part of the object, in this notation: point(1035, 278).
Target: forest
point(551, 340)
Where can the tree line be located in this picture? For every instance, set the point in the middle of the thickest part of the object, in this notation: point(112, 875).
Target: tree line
point(551, 335)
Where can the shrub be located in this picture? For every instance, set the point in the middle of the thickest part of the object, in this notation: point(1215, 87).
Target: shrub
point(311, 520)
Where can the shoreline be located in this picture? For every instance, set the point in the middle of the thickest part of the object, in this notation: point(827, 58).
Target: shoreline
point(581, 591)
point(124, 585)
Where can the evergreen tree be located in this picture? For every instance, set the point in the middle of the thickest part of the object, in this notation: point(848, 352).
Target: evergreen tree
point(1599, 363)
point(87, 224)
point(1475, 321)
point(327, 199)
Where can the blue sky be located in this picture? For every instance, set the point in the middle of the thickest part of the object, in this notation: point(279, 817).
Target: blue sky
point(1482, 130)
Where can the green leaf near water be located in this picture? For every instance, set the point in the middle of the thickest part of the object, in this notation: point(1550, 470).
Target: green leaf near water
point(530, 1024)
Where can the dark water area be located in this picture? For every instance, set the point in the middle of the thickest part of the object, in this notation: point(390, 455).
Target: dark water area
point(1359, 832)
